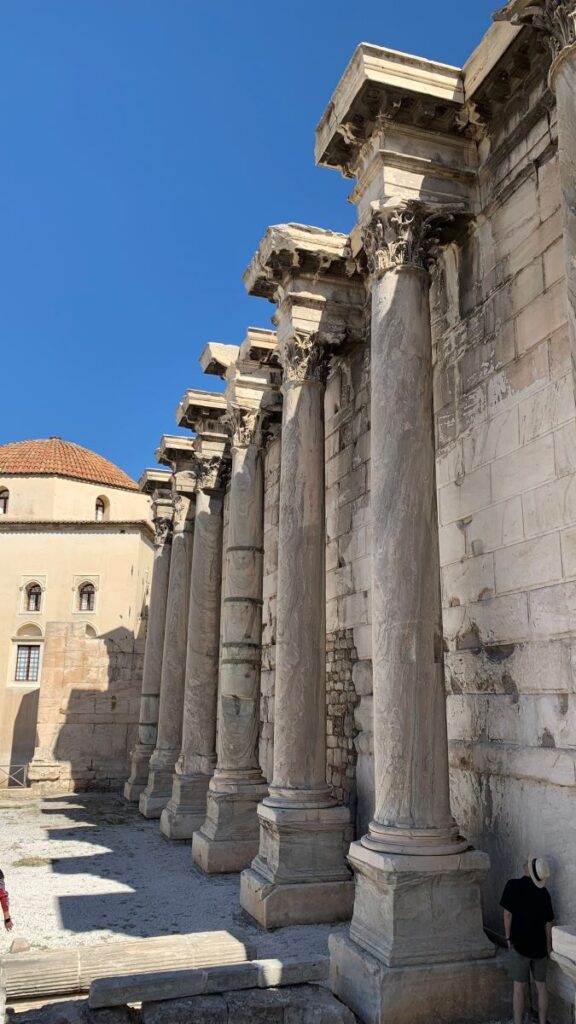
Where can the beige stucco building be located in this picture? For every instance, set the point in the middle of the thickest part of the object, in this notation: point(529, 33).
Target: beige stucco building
point(76, 550)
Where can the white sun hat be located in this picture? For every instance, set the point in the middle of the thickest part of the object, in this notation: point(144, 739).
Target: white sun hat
point(539, 870)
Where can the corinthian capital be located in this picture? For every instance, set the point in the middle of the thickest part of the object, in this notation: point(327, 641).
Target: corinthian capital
point(207, 471)
point(243, 426)
point(304, 358)
point(555, 18)
point(404, 235)
point(162, 530)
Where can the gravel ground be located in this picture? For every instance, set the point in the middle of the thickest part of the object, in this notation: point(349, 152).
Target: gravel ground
point(89, 868)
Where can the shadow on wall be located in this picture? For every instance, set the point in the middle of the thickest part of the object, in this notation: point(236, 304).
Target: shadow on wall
point(88, 708)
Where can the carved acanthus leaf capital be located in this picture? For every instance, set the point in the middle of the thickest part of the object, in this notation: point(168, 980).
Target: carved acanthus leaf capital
point(404, 235)
point(243, 426)
point(181, 506)
point(162, 530)
point(207, 471)
point(556, 19)
point(305, 358)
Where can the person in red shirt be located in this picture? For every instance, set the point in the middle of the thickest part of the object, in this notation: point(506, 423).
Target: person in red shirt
point(4, 903)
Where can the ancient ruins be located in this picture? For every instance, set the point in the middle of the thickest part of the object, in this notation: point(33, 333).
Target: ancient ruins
point(358, 686)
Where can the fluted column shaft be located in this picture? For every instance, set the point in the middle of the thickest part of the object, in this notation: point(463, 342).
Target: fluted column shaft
point(300, 874)
point(170, 712)
point(186, 809)
point(300, 690)
point(152, 672)
point(563, 81)
point(242, 625)
point(412, 803)
point(228, 839)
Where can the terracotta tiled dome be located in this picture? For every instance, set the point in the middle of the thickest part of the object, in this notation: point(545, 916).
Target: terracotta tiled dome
point(54, 457)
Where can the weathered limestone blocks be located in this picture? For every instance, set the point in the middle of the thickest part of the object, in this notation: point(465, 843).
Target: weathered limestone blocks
point(158, 986)
point(176, 452)
point(228, 837)
point(186, 808)
point(157, 484)
point(299, 873)
point(564, 954)
point(301, 1004)
point(458, 991)
point(62, 971)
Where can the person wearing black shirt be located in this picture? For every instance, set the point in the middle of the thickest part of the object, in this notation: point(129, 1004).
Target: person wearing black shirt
point(528, 917)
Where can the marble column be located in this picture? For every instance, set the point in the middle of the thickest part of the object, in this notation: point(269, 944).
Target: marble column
point(186, 810)
point(417, 882)
point(300, 874)
point(152, 673)
point(159, 788)
point(228, 839)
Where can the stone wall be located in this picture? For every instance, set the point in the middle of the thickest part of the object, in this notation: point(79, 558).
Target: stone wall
point(506, 442)
point(88, 709)
point(349, 643)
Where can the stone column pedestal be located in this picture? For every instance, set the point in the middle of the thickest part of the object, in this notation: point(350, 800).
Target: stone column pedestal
point(159, 788)
point(300, 874)
point(228, 838)
point(186, 809)
point(418, 884)
point(152, 674)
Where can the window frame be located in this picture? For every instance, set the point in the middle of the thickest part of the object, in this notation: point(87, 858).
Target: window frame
point(38, 590)
point(34, 655)
point(86, 587)
point(4, 501)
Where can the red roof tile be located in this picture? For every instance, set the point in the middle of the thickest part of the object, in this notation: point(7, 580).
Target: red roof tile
point(54, 457)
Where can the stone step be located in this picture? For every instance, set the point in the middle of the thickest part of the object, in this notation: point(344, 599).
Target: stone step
point(170, 985)
point(65, 971)
point(303, 1004)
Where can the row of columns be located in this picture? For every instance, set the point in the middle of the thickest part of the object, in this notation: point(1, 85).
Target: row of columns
point(290, 839)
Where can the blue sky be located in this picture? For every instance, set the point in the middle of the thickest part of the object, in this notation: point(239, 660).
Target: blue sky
point(147, 144)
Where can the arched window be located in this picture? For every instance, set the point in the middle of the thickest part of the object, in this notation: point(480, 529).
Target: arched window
point(100, 510)
point(4, 499)
point(86, 595)
point(33, 597)
point(27, 663)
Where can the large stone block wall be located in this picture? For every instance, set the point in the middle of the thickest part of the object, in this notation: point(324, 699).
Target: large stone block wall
point(506, 468)
point(88, 710)
point(348, 585)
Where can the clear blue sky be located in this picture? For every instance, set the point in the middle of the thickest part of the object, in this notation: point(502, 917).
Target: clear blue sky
point(146, 145)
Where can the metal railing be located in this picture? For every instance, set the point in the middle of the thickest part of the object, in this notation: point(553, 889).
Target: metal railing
point(13, 775)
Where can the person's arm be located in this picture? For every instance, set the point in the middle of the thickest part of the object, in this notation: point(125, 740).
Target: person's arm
point(549, 936)
point(6, 910)
point(507, 925)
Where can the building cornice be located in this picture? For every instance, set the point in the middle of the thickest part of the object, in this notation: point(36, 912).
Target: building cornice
point(8, 525)
point(290, 248)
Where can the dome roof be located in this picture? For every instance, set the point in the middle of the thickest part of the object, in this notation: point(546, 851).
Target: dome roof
point(54, 457)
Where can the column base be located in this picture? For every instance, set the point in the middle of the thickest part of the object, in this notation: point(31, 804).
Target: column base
point(275, 906)
point(139, 770)
point(419, 910)
point(300, 874)
point(185, 812)
point(468, 990)
point(228, 839)
point(154, 798)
